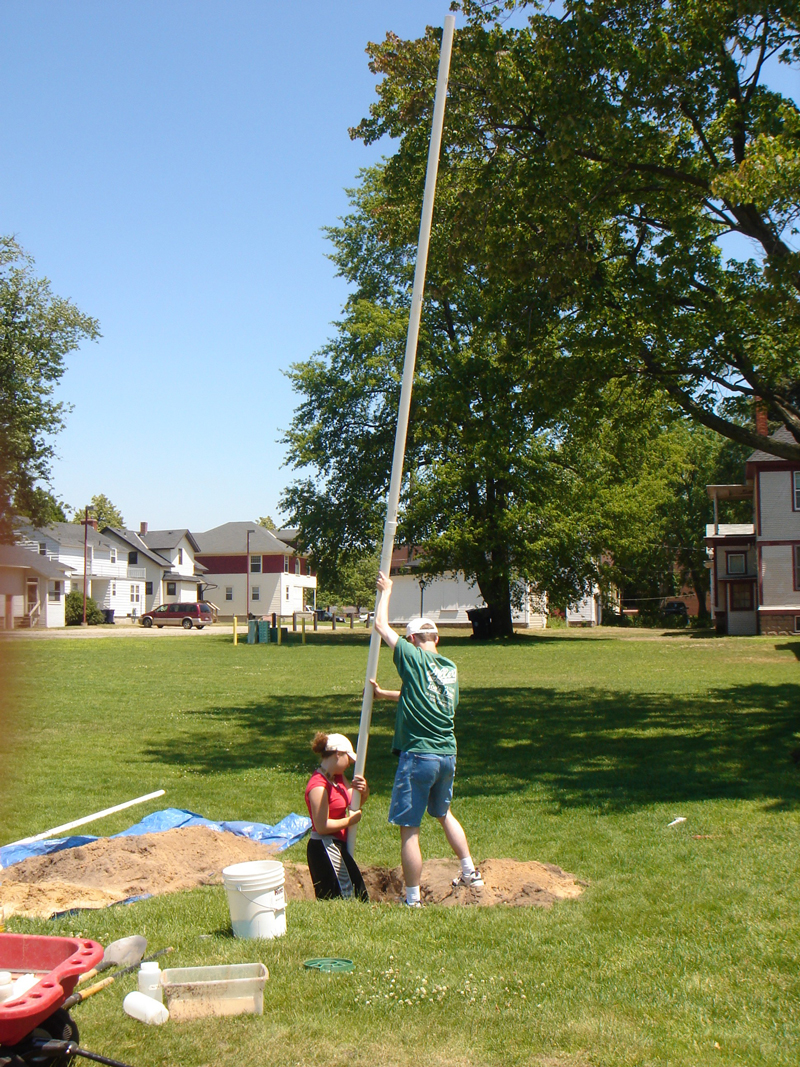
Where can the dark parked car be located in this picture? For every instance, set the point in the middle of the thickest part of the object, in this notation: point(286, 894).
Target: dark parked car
point(197, 614)
point(675, 607)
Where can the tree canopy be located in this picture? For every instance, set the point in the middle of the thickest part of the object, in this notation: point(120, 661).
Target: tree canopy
point(594, 165)
point(512, 477)
point(37, 331)
point(101, 509)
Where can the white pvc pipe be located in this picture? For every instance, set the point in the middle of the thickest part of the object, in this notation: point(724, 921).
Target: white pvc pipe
point(393, 499)
point(87, 818)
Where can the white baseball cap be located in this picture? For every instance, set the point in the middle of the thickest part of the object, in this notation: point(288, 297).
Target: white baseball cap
point(421, 626)
point(339, 743)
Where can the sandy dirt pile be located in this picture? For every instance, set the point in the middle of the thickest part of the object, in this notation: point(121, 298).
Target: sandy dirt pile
point(113, 869)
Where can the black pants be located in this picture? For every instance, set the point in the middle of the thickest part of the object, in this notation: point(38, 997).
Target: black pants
point(323, 874)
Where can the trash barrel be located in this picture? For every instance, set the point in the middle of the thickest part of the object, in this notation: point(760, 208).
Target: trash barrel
point(108, 615)
point(481, 619)
point(252, 631)
point(263, 632)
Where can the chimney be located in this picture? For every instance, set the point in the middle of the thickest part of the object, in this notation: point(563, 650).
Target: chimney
point(762, 425)
point(142, 528)
point(89, 522)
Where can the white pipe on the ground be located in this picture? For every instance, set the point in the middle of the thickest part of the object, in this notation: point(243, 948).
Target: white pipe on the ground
point(87, 818)
point(393, 499)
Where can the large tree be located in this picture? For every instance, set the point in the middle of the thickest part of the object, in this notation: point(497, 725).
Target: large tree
point(596, 161)
point(37, 331)
point(515, 473)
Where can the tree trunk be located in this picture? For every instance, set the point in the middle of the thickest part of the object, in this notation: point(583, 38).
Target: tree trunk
point(496, 591)
point(698, 584)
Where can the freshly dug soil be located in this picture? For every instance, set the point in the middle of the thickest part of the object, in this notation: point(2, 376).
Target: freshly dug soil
point(113, 869)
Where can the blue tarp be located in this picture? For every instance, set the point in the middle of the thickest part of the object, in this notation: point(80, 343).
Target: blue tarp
point(283, 834)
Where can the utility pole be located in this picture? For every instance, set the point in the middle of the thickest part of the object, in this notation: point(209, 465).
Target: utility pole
point(85, 554)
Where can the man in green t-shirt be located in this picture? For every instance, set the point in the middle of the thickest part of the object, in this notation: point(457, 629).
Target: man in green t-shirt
point(425, 742)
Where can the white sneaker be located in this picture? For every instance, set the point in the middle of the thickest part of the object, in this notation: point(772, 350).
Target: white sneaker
point(473, 880)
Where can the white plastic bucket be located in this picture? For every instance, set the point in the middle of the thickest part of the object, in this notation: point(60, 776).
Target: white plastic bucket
point(255, 898)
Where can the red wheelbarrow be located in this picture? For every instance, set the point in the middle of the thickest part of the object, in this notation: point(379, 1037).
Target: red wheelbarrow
point(34, 1028)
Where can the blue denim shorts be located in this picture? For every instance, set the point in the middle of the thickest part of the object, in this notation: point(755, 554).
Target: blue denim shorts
point(423, 780)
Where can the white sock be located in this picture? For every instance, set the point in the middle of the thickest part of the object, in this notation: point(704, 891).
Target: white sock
point(412, 894)
point(467, 866)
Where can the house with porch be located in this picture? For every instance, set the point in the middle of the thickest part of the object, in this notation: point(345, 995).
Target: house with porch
point(755, 566)
point(255, 573)
point(32, 589)
point(112, 580)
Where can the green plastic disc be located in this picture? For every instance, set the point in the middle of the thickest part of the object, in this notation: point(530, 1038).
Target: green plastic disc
point(329, 965)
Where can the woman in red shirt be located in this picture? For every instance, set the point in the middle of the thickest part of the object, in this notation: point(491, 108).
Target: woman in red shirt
point(333, 870)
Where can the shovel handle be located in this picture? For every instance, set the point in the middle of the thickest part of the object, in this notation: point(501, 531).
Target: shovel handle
point(94, 971)
point(78, 998)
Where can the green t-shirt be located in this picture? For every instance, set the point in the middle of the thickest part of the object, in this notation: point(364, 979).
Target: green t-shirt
point(428, 700)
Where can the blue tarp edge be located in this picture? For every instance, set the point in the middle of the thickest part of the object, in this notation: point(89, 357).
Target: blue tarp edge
point(291, 829)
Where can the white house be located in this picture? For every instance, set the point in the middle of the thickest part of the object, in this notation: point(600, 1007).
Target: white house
point(255, 573)
point(31, 589)
point(447, 598)
point(588, 611)
point(755, 567)
point(112, 580)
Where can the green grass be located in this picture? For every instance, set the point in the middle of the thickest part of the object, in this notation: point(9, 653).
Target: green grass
point(574, 749)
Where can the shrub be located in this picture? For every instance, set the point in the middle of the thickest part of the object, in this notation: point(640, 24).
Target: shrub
point(73, 610)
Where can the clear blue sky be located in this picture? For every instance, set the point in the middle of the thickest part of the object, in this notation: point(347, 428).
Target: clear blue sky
point(170, 166)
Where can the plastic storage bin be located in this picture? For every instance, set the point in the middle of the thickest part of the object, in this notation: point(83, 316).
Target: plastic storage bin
point(194, 992)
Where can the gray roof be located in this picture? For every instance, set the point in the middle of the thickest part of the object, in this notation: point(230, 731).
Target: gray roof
point(159, 539)
point(63, 533)
point(231, 539)
point(174, 576)
point(781, 434)
point(130, 537)
point(14, 556)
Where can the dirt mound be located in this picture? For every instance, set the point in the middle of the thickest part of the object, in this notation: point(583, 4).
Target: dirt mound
point(113, 869)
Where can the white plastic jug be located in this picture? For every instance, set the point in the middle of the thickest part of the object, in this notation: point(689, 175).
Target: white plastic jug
point(145, 1009)
point(150, 981)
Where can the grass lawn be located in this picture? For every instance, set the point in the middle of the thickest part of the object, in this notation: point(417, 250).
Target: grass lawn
point(574, 749)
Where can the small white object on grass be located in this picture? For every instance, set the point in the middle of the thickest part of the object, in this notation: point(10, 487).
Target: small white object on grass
point(680, 818)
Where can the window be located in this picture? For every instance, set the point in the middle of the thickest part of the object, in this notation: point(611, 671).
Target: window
point(255, 593)
point(180, 555)
point(797, 490)
point(797, 624)
point(148, 588)
point(54, 594)
point(737, 563)
point(287, 592)
point(285, 564)
point(133, 558)
point(297, 565)
point(741, 596)
point(308, 567)
point(172, 588)
point(112, 552)
point(76, 587)
point(42, 548)
point(255, 564)
point(135, 593)
point(229, 592)
point(113, 588)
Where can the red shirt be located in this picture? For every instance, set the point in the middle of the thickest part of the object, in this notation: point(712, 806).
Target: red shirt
point(338, 798)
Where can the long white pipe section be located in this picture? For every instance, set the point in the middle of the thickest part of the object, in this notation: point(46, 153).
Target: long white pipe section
point(88, 818)
point(393, 499)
